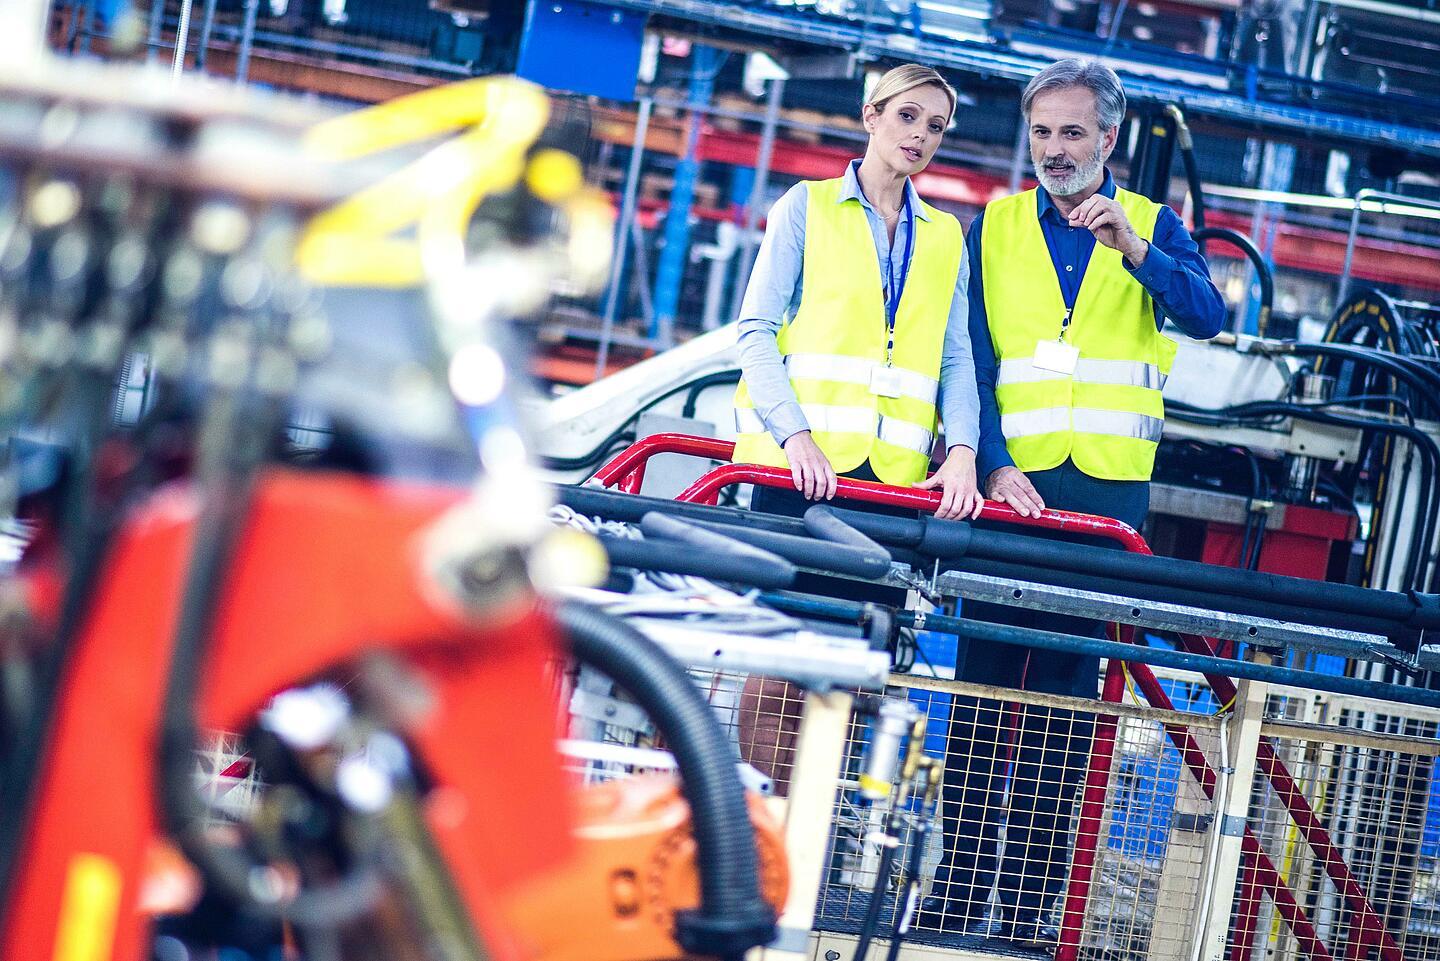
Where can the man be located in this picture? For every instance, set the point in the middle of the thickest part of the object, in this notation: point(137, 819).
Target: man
point(1073, 280)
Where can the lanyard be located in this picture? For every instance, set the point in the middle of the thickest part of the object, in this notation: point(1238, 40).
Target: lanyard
point(894, 291)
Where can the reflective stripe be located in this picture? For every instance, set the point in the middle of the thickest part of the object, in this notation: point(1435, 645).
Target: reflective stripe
point(1118, 423)
point(856, 370)
point(1020, 370)
point(848, 420)
point(1132, 373)
point(904, 434)
point(1046, 420)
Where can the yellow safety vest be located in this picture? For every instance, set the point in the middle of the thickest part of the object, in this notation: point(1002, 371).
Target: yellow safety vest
point(1108, 415)
point(838, 337)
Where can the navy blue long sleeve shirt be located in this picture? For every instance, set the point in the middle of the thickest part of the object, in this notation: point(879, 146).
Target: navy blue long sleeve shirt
point(1174, 272)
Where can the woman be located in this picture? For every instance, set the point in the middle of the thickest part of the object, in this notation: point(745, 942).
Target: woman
point(854, 322)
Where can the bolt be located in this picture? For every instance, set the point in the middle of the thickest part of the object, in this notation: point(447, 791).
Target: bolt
point(832, 955)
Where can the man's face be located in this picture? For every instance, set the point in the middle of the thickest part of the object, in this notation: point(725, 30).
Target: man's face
point(908, 133)
point(1067, 146)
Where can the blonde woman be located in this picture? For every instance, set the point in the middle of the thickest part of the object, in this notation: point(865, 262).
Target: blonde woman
point(853, 330)
point(854, 341)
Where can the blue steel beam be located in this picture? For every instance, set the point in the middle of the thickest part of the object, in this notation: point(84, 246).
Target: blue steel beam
point(671, 269)
point(980, 57)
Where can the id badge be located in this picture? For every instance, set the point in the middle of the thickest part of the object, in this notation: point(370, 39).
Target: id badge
point(884, 381)
point(1057, 356)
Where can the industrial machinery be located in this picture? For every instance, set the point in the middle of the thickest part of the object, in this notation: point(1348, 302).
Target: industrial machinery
point(305, 518)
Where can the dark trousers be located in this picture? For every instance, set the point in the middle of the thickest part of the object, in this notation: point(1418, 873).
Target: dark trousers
point(1041, 752)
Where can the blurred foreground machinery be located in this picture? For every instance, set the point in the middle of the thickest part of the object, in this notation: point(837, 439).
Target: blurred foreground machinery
point(304, 516)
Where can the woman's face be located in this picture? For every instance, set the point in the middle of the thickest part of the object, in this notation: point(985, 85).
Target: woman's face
point(906, 135)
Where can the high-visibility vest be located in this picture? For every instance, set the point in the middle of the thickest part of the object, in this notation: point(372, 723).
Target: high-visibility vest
point(838, 337)
point(1107, 415)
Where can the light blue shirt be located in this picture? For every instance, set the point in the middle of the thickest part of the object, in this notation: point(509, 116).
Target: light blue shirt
point(774, 294)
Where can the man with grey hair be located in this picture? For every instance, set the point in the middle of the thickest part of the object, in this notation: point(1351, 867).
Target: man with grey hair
point(1070, 284)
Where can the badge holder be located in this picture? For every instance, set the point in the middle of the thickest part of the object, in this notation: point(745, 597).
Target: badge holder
point(1056, 356)
point(884, 381)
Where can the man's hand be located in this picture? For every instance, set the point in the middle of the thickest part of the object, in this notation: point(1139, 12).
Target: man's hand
point(956, 476)
point(810, 468)
point(1009, 485)
point(1106, 219)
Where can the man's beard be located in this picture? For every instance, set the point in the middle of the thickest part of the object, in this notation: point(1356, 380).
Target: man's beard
point(1076, 180)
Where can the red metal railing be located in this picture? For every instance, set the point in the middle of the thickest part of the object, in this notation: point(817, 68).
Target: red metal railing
point(627, 472)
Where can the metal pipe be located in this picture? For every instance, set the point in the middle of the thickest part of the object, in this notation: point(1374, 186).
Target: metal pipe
point(152, 36)
point(758, 190)
point(1360, 197)
point(207, 26)
point(182, 39)
point(1212, 855)
point(247, 41)
point(622, 236)
point(1092, 811)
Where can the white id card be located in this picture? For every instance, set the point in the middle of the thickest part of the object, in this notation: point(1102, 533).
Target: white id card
point(884, 381)
point(1056, 355)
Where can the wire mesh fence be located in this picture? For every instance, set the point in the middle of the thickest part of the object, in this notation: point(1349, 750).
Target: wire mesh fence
point(995, 869)
point(1368, 773)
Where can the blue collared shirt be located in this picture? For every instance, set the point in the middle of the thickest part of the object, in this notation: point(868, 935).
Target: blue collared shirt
point(1174, 272)
point(774, 291)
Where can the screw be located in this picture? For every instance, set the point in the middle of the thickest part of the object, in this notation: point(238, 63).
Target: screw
point(832, 955)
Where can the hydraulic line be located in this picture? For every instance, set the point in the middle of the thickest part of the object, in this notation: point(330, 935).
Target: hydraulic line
point(955, 538)
point(733, 916)
point(1429, 451)
point(1192, 172)
point(1263, 272)
point(950, 539)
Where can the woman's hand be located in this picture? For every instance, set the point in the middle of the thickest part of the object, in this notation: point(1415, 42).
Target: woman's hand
point(814, 477)
point(957, 477)
point(1009, 485)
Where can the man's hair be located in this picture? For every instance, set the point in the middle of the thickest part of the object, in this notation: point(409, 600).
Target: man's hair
point(905, 77)
point(1090, 74)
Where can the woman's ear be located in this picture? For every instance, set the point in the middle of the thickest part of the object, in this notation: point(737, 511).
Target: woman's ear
point(869, 116)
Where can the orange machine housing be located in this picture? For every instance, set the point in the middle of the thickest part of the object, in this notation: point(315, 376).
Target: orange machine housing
point(635, 868)
point(327, 569)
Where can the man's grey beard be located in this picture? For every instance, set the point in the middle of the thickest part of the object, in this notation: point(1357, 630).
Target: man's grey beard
point(1072, 183)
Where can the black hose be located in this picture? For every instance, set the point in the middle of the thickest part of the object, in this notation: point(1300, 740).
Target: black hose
point(1262, 269)
point(733, 915)
point(871, 924)
point(910, 891)
point(659, 525)
point(1192, 169)
point(951, 539)
point(821, 521)
point(807, 552)
point(1429, 455)
point(677, 557)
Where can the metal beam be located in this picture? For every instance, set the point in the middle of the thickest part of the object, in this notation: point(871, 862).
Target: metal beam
point(1247, 629)
point(985, 58)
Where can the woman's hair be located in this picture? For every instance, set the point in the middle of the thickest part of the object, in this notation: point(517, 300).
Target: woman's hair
point(905, 77)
